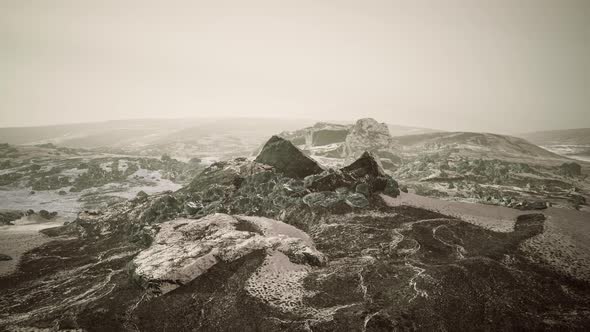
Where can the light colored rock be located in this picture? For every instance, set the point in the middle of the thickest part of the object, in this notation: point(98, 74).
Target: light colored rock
point(367, 134)
point(183, 249)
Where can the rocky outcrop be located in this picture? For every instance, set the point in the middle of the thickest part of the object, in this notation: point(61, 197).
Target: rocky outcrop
point(184, 249)
point(47, 215)
point(287, 159)
point(367, 134)
point(571, 169)
point(8, 216)
point(364, 176)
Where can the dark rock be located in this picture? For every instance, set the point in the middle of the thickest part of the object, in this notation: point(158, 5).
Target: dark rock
point(8, 216)
point(287, 159)
point(47, 215)
point(4, 257)
point(329, 181)
point(571, 169)
point(62, 193)
point(392, 188)
point(366, 165)
point(526, 205)
point(141, 195)
point(362, 188)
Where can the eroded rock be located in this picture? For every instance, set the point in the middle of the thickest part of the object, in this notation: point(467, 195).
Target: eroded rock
point(183, 249)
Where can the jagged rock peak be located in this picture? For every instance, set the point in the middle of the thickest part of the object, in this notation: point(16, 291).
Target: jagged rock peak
point(287, 158)
point(367, 164)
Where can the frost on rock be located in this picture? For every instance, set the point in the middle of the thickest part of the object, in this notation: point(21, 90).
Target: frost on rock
point(186, 248)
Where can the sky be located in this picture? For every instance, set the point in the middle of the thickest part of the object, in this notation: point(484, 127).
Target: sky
point(473, 65)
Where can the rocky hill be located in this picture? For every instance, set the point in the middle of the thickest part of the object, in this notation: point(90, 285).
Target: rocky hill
point(475, 167)
point(252, 246)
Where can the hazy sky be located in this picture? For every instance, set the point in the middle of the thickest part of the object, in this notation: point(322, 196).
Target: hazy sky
point(501, 66)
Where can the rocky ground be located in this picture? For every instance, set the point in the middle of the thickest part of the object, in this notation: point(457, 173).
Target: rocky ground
point(69, 180)
point(253, 245)
point(471, 167)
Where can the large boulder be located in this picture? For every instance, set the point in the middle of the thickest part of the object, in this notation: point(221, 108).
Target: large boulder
point(287, 159)
point(186, 248)
point(366, 165)
point(367, 134)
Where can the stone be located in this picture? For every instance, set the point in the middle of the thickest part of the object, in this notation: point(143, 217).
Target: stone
point(286, 158)
point(322, 199)
point(184, 249)
point(47, 215)
point(366, 165)
point(362, 188)
point(367, 134)
point(357, 200)
point(4, 257)
point(392, 188)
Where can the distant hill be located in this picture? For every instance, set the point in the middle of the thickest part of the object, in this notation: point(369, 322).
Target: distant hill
point(580, 136)
point(184, 138)
point(573, 143)
point(479, 144)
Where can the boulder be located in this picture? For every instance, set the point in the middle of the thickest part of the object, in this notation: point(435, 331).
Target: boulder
point(367, 134)
point(571, 169)
point(8, 216)
point(4, 257)
point(47, 215)
point(286, 158)
point(366, 165)
point(184, 248)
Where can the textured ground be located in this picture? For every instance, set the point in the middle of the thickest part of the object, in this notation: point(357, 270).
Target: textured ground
point(244, 247)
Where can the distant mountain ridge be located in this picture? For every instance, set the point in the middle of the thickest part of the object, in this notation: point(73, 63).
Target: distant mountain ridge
point(572, 143)
point(579, 136)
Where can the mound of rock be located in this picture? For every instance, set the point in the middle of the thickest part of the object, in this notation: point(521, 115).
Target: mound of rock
point(367, 134)
point(186, 248)
point(287, 159)
point(364, 176)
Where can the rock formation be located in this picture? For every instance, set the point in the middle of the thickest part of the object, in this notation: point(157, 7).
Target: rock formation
point(287, 158)
point(185, 248)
